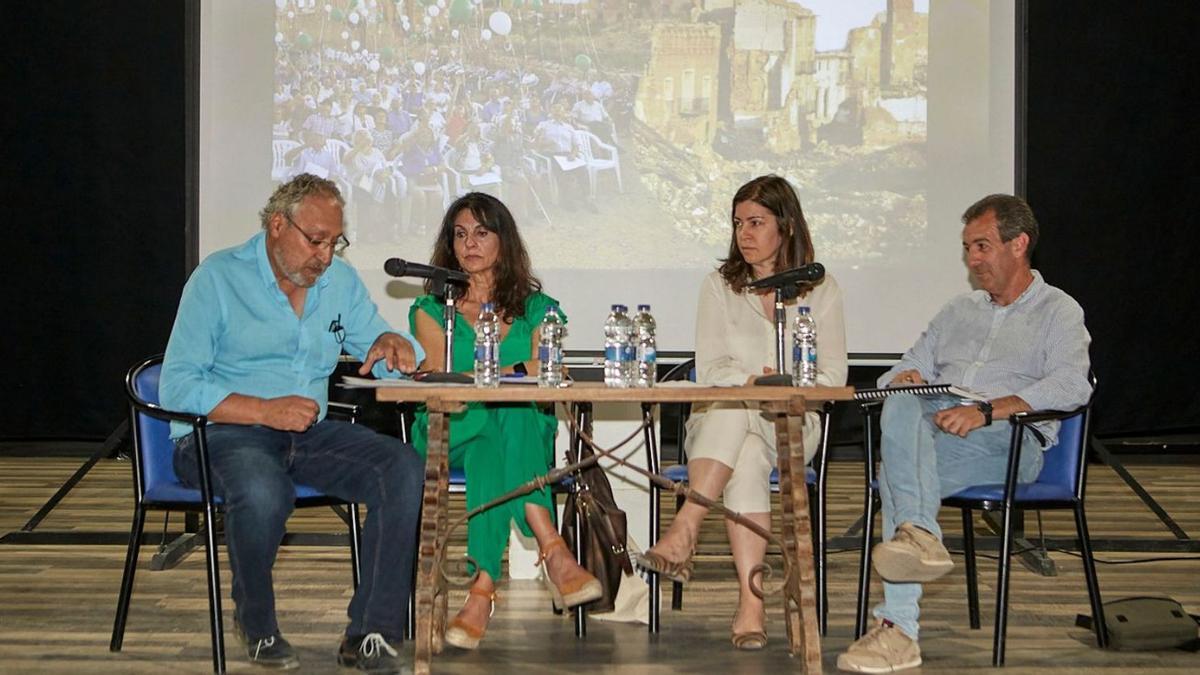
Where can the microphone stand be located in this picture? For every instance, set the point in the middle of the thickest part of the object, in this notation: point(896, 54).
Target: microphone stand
point(441, 286)
point(783, 293)
point(780, 329)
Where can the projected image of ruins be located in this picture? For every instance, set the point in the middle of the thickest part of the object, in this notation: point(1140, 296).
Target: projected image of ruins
point(600, 122)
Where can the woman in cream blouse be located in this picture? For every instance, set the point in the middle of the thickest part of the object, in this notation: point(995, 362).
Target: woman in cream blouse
point(731, 447)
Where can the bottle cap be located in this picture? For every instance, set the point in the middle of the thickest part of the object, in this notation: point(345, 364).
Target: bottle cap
point(803, 309)
point(616, 308)
point(487, 307)
point(643, 308)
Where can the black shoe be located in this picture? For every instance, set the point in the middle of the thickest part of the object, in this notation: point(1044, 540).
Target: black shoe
point(269, 652)
point(348, 651)
point(370, 653)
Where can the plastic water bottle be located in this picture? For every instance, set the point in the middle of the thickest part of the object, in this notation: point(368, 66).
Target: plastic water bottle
point(550, 348)
point(646, 370)
point(618, 348)
point(487, 347)
point(804, 348)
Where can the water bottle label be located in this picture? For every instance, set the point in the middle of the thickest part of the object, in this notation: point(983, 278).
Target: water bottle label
point(610, 353)
point(485, 352)
point(628, 353)
point(647, 354)
point(812, 356)
point(549, 354)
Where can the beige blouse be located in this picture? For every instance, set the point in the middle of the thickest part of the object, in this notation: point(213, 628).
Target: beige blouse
point(735, 339)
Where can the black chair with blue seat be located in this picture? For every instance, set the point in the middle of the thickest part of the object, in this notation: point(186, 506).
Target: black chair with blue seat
point(157, 488)
point(815, 478)
point(1060, 485)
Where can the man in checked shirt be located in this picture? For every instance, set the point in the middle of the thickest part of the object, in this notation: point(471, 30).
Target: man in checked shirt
point(1016, 339)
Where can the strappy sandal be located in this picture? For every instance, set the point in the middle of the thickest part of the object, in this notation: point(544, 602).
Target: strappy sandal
point(466, 635)
point(675, 570)
point(750, 641)
point(577, 588)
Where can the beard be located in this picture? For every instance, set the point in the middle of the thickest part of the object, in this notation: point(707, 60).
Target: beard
point(304, 276)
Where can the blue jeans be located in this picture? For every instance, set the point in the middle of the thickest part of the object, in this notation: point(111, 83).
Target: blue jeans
point(254, 469)
point(922, 464)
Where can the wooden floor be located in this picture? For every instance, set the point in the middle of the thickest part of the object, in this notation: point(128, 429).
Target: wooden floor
point(56, 601)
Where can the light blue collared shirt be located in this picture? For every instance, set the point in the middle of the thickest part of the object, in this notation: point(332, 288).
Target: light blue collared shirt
point(1035, 348)
point(236, 332)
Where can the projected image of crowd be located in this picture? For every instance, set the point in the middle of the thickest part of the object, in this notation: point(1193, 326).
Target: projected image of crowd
point(596, 116)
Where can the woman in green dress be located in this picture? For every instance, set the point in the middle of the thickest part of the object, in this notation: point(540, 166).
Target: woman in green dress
point(498, 446)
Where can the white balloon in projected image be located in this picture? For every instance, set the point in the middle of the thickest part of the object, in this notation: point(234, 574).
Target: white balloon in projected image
point(419, 67)
point(500, 23)
point(485, 34)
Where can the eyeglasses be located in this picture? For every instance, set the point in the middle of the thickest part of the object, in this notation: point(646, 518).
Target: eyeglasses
point(337, 245)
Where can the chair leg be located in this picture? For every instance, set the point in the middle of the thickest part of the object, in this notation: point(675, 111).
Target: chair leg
point(355, 540)
point(676, 587)
point(1089, 573)
point(818, 535)
point(864, 568)
point(410, 626)
point(214, 591)
point(580, 610)
point(972, 573)
point(1002, 589)
point(131, 557)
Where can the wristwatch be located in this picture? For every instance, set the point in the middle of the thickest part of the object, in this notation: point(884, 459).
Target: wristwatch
point(985, 407)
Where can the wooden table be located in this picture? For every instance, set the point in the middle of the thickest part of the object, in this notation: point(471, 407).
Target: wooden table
point(786, 405)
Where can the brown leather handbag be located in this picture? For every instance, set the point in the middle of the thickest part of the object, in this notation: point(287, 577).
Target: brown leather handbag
point(603, 528)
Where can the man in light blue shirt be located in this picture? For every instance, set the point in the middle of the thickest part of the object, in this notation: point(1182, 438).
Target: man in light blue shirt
point(258, 333)
point(1018, 341)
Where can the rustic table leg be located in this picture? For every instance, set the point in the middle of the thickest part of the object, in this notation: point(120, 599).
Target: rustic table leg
point(431, 585)
point(800, 594)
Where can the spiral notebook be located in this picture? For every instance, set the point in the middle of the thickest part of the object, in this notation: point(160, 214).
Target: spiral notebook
point(919, 390)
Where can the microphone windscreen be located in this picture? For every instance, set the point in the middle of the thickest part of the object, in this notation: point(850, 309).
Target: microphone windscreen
point(395, 267)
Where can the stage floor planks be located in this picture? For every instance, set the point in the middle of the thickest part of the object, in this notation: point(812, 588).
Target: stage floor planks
point(56, 602)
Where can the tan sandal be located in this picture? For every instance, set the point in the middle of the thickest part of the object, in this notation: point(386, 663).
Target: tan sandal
point(466, 635)
point(750, 641)
point(578, 588)
point(680, 571)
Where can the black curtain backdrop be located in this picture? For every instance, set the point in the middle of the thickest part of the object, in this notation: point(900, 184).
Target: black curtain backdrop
point(1112, 170)
point(93, 159)
point(93, 137)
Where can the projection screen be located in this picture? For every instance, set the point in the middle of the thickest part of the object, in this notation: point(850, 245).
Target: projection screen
point(889, 116)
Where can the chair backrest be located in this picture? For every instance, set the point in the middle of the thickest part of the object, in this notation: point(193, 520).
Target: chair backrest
point(1062, 462)
point(1065, 462)
point(280, 148)
point(152, 436)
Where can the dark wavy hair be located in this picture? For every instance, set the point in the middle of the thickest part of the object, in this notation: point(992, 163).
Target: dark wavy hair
point(777, 196)
point(514, 280)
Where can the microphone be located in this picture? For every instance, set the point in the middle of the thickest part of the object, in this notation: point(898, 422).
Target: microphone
point(805, 273)
point(402, 268)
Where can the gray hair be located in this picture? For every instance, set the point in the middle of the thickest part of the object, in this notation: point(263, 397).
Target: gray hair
point(288, 196)
point(1013, 216)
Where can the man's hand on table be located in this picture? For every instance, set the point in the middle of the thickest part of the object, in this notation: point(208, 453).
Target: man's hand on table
point(394, 350)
